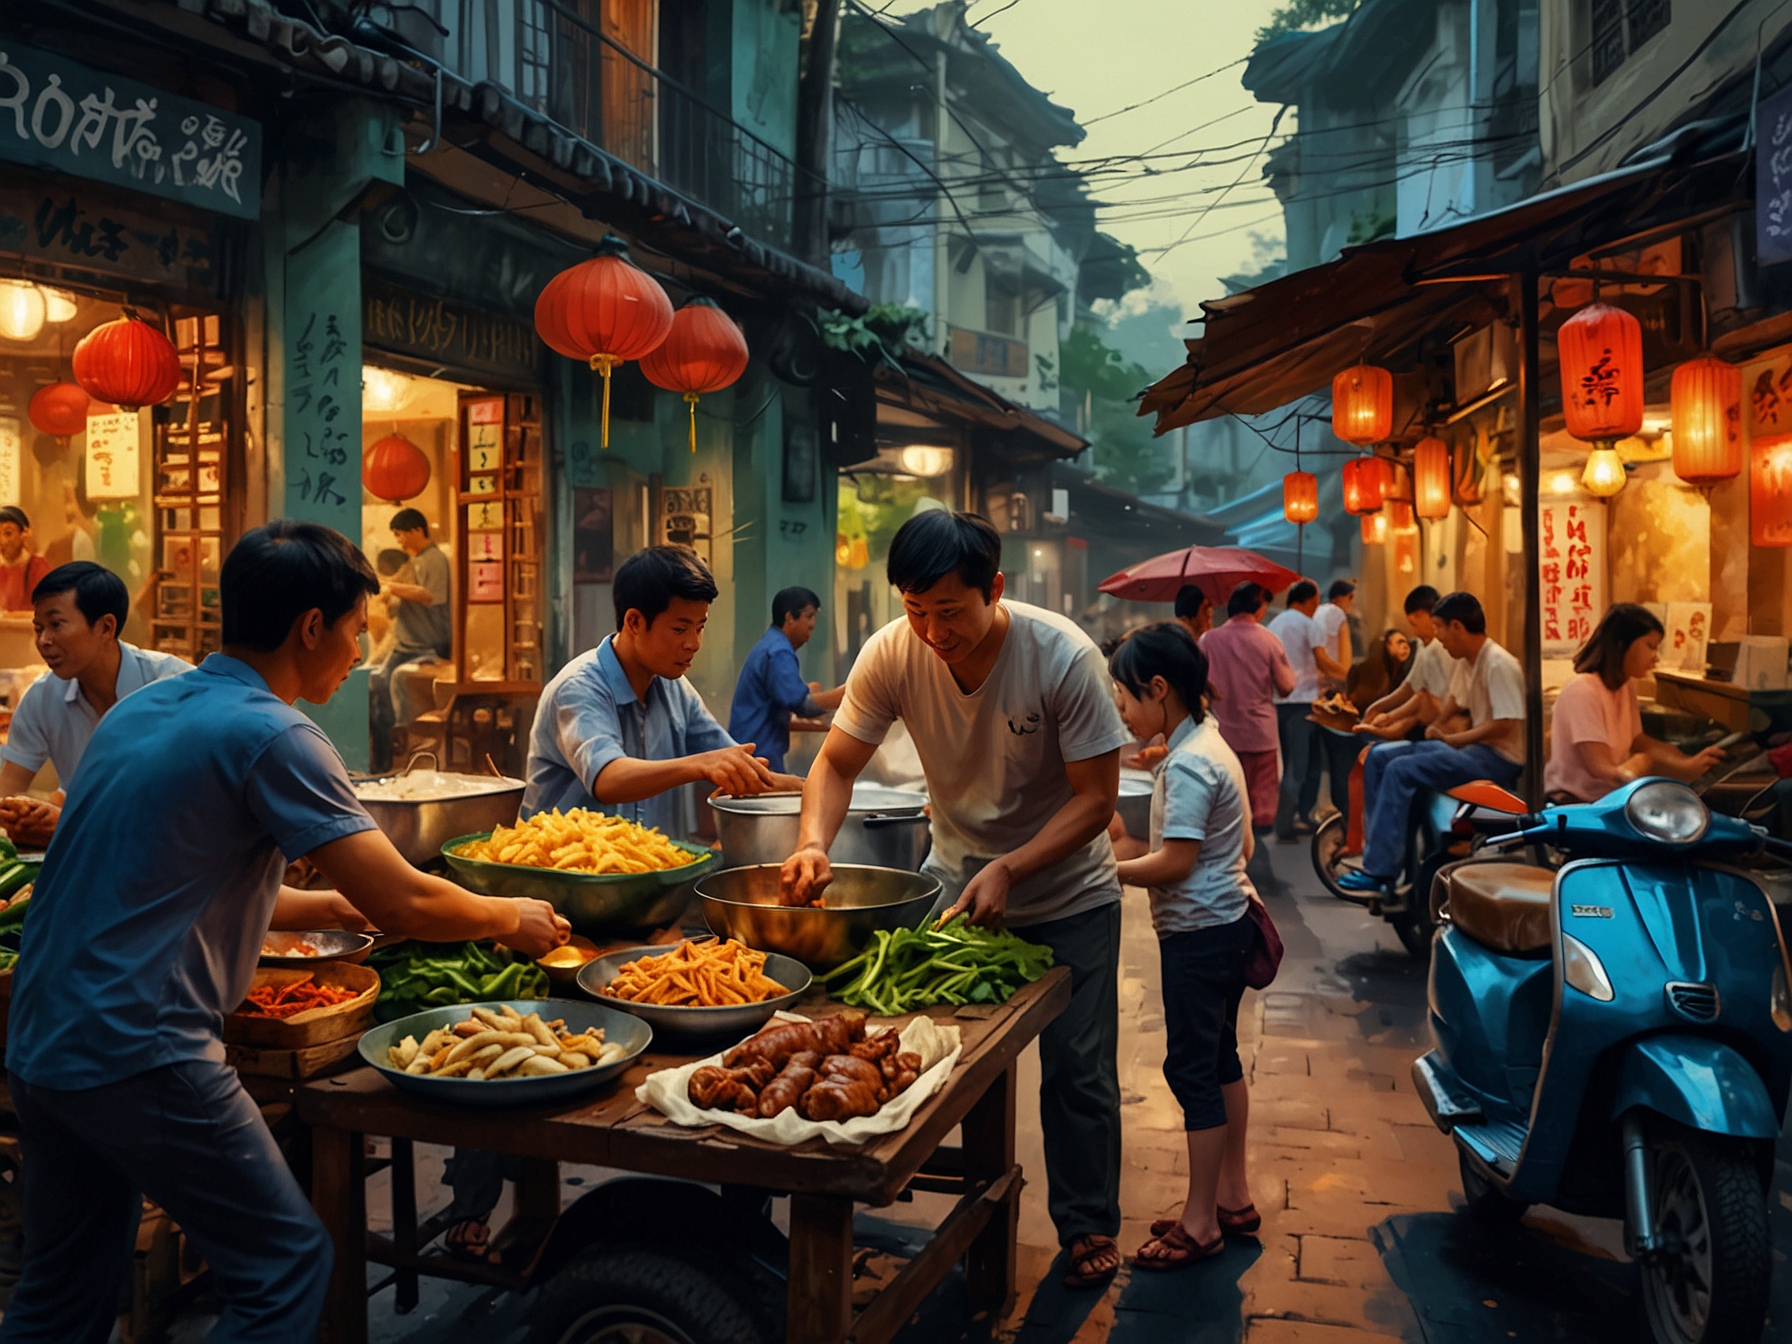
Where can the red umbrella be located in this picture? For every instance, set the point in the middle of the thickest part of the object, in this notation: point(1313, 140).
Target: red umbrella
point(1215, 570)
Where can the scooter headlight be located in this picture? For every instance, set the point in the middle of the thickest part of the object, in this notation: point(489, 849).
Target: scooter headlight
point(1582, 969)
point(1669, 812)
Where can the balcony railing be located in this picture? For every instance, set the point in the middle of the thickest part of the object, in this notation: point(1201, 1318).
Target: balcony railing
point(559, 60)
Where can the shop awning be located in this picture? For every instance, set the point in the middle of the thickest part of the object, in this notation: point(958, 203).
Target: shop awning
point(930, 390)
point(1267, 346)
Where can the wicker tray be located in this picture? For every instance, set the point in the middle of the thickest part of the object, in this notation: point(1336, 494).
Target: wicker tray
point(316, 1026)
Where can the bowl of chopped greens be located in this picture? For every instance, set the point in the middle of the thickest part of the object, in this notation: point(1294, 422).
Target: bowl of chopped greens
point(952, 962)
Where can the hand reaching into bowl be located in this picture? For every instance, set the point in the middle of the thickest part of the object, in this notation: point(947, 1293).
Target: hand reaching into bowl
point(804, 876)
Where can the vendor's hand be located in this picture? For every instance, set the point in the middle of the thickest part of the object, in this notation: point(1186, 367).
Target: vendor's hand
point(1708, 759)
point(736, 770)
point(787, 783)
point(1145, 757)
point(342, 914)
point(539, 928)
point(804, 876)
point(28, 822)
point(985, 896)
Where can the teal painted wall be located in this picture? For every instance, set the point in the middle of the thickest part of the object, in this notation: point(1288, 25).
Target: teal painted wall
point(767, 34)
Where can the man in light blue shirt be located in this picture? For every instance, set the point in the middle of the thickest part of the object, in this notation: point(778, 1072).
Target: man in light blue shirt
point(143, 933)
point(620, 730)
point(771, 687)
point(77, 612)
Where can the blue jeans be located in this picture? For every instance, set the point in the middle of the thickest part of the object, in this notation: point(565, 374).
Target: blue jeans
point(1301, 759)
point(189, 1137)
point(1395, 772)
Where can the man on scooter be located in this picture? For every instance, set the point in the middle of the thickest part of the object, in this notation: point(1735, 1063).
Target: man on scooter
point(1489, 686)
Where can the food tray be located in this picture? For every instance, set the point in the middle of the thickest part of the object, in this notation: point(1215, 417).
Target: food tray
point(316, 1025)
point(676, 1020)
point(631, 1033)
point(595, 904)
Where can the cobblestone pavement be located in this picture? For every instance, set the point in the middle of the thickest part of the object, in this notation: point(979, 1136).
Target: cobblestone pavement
point(1360, 1242)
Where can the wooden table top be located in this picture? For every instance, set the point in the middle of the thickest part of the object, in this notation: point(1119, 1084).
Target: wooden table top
point(612, 1129)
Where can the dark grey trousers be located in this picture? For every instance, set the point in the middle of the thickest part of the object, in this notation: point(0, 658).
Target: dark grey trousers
point(189, 1137)
point(1079, 1082)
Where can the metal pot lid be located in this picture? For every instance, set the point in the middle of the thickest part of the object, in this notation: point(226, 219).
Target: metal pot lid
point(865, 798)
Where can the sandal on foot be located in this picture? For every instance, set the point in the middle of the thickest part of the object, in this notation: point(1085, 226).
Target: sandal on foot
point(1233, 1222)
point(1088, 1250)
point(1179, 1250)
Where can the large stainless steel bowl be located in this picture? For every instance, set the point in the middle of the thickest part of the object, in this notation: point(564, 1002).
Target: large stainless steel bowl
point(418, 827)
point(743, 903)
point(884, 828)
point(677, 1020)
point(596, 904)
point(1135, 803)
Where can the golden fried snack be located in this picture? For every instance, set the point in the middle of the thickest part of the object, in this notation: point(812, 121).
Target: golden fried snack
point(699, 973)
point(580, 841)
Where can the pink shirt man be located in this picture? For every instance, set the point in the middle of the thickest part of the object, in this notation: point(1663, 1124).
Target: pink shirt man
point(1246, 664)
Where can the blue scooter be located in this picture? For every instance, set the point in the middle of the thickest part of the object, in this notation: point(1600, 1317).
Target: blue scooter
point(1614, 1038)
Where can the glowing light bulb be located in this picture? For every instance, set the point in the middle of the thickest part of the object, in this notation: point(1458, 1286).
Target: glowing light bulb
point(925, 461)
point(1604, 475)
point(60, 306)
point(1562, 483)
point(381, 389)
point(22, 310)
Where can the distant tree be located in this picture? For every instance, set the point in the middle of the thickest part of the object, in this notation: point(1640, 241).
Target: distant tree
point(1300, 14)
point(1269, 261)
point(1103, 383)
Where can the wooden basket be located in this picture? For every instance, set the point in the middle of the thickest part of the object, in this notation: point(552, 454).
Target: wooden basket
point(315, 1026)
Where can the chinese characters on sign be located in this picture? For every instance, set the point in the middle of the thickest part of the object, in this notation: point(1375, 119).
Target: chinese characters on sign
point(113, 444)
point(12, 442)
point(485, 520)
point(1571, 572)
point(1773, 180)
point(318, 470)
point(59, 115)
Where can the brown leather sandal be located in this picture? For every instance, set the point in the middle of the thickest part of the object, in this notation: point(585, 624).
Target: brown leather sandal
point(1179, 1250)
point(1233, 1222)
point(1085, 1251)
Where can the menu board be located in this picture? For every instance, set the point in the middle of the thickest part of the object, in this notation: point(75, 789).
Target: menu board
point(113, 446)
point(1571, 572)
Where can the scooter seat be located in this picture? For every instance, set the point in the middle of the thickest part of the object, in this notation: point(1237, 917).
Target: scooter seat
point(1503, 906)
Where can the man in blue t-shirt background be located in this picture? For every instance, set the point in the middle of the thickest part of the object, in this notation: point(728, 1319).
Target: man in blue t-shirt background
point(771, 686)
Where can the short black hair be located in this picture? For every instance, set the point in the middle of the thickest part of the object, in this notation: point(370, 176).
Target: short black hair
point(98, 591)
point(1422, 598)
point(793, 601)
point(1248, 597)
point(648, 581)
point(1464, 609)
point(389, 561)
point(1190, 600)
point(13, 514)
point(1165, 650)
point(1304, 591)
point(1340, 588)
point(409, 520)
point(935, 543)
point(282, 570)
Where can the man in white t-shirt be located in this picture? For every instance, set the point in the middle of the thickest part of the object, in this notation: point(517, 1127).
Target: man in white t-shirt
point(1415, 702)
point(1012, 713)
point(1333, 619)
point(1301, 637)
point(1489, 687)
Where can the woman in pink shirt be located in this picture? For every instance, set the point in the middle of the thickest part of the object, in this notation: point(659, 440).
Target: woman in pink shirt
point(1597, 743)
point(1245, 664)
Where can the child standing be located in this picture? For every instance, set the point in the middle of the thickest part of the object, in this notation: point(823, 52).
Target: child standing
point(1200, 907)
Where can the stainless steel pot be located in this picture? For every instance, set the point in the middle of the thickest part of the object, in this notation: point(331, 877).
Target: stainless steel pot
point(1135, 803)
point(883, 828)
point(419, 827)
point(743, 903)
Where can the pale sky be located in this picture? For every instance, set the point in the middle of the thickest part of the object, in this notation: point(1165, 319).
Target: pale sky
point(1097, 59)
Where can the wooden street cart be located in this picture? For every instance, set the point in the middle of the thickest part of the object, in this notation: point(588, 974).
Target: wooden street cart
point(612, 1129)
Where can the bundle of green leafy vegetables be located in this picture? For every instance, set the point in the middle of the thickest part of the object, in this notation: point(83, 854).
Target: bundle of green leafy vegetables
point(415, 976)
point(14, 877)
point(957, 962)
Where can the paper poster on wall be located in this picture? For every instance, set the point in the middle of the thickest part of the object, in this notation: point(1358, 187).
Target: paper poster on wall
point(485, 581)
point(1688, 626)
point(1571, 572)
point(112, 455)
point(12, 446)
point(485, 545)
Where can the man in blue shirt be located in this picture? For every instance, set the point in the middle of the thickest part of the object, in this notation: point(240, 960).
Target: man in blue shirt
point(620, 730)
point(161, 882)
point(771, 686)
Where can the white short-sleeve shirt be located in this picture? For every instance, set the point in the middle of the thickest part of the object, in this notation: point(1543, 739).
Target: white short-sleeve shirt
point(1300, 635)
point(994, 758)
point(54, 721)
point(1432, 670)
point(1492, 687)
point(1200, 794)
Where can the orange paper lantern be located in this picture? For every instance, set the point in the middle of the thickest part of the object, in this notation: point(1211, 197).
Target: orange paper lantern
point(1300, 497)
point(1375, 529)
point(604, 311)
point(59, 409)
point(394, 469)
point(127, 362)
point(1431, 478)
point(1770, 491)
point(1399, 515)
point(704, 352)
point(1707, 412)
point(1363, 404)
point(1364, 480)
point(1601, 353)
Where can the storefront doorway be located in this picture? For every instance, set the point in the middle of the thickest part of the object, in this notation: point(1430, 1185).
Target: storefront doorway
point(876, 498)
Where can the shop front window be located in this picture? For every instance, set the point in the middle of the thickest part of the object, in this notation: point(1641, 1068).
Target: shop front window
point(877, 498)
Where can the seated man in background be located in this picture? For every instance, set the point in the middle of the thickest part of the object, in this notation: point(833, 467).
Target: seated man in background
point(771, 687)
point(1489, 685)
point(77, 610)
point(1413, 705)
point(21, 569)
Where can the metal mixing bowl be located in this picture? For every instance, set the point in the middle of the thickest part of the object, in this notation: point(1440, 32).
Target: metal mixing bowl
point(674, 1020)
point(596, 904)
point(743, 903)
point(329, 944)
point(1135, 803)
point(417, 827)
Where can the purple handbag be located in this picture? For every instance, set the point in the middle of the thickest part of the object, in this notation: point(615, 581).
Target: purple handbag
point(1266, 956)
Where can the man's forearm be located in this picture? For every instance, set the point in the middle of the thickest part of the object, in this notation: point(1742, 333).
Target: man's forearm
point(1493, 729)
point(629, 780)
point(1330, 665)
point(828, 700)
point(1391, 701)
point(295, 909)
point(827, 793)
point(412, 592)
point(1071, 827)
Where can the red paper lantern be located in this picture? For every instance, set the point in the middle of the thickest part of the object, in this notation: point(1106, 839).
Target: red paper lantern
point(127, 362)
point(1375, 529)
point(1300, 497)
point(1399, 514)
point(1770, 491)
point(1601, 353)
point(394, 469)
point(1431, 478)
point(1707, 412)
point(604, 311)
point(704, 352)
point(1366, 480)
point(59, 409)
point(1363, 404)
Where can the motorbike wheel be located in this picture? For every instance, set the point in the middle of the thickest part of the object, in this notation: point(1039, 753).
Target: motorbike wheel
point(1328, 858)
point(1414, 929)
point(614, 1295)
point(1710, 1277)
point(1485, 1201)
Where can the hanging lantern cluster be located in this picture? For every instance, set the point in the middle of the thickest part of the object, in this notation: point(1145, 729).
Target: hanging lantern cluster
point(1363, 405)
point(1706, 401)
point(1300, 497)
point(607, 311)
point(394, 469)
point(128, 363)
point(1366, 481)
point(1431, 478)
point(1375, 529)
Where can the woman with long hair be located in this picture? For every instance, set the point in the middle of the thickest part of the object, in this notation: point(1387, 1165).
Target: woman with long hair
point(1380, 673)
point(1597, 743)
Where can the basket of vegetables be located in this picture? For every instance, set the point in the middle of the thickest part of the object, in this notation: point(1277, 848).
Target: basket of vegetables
point(418, 976)
point(953, 962)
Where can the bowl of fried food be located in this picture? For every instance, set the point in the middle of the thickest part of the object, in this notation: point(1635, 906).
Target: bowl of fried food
point(607, 875)
point(314, 947)
point(523, 1052)
point(700, 987)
